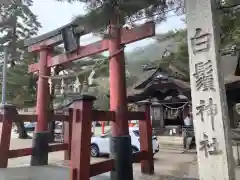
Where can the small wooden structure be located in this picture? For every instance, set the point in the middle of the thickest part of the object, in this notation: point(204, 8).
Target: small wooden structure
point(165, 93)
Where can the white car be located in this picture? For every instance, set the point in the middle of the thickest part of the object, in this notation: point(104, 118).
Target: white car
point(101, 144)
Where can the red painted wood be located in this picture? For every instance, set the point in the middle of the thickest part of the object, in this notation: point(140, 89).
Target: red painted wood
point(103, 115)
point(81, 139)
point(108, 165)
point(128, 33)
point(60, 117)
point(15, 153)
point(33, 118)
point(58, 147)
point(9, 113)
point(67, 134)
point(73, 173)
point(43, 92)
point(101, 167)
point(128, 36)
point(139, 156)
point(138, 33)
point(145, 129)
point(136, 116)
point(118, 97)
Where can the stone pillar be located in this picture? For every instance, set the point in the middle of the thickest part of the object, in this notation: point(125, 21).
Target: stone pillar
point(209, 104)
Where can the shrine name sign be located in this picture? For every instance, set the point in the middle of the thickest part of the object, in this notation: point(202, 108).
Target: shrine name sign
point(210, 114)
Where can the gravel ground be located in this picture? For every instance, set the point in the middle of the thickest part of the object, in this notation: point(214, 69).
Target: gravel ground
point(169, 164)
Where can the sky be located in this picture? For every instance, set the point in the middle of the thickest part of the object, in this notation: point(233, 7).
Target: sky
point(53, 14)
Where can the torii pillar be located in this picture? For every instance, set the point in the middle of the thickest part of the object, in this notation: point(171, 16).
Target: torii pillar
point(121, 150)
point(214, 148)
point(41, 136)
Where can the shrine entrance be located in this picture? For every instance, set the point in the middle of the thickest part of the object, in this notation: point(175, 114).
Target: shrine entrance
point(121, 150)
point(207, 90)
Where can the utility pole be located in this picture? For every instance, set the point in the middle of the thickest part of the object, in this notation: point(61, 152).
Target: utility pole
point(4, 72)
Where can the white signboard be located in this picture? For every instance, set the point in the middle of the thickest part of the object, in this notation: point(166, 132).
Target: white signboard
point(208, 92)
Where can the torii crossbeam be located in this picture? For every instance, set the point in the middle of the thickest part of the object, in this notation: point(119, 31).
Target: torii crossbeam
point(128, 36)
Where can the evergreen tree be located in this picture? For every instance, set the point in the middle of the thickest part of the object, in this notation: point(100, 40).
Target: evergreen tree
point(16, 24)
point(21, 88)
point(128, 11)
point(229, 33)
point(20, 85)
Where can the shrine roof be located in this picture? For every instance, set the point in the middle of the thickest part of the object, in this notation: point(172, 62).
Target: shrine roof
point(145, 78)
point(159, 88)
point(229, 66)
point(157, 75)
point(154, 81)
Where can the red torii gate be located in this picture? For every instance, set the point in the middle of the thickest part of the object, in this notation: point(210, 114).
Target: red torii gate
point(115, 46)
point(46, 61)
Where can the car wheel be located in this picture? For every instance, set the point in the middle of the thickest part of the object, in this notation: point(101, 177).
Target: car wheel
point(94, 150)
point(134, 150)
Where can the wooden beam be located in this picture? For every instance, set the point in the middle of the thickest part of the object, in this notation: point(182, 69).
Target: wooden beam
point(101, 167)
point(103, 115)
point(52, 38)
point(15, 153)
point(33, 117)
point(9, 113)
point(136, 115)
point(49, 42)
point(145, 131)
point(128, 36)
point(139, 156)
point(58, 147)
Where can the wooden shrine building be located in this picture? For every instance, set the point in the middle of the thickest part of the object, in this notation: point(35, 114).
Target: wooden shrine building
point(170, 97)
